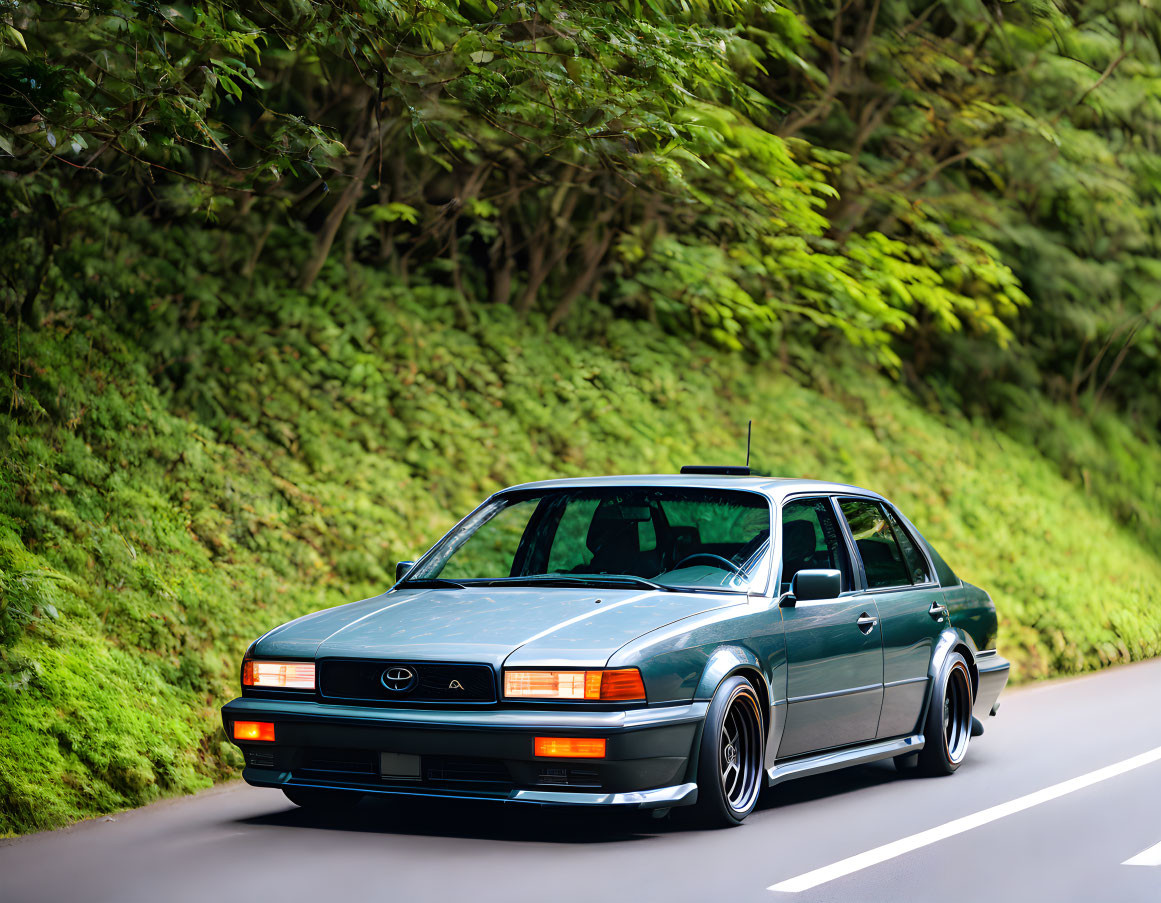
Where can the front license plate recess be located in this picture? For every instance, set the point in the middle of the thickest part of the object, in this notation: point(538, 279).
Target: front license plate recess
point(399, 766)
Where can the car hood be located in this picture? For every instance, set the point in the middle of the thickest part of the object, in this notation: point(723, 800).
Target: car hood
point(520, 625)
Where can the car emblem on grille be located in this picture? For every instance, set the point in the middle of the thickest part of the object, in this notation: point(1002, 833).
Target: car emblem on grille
point(398, 679)
point(455, 685)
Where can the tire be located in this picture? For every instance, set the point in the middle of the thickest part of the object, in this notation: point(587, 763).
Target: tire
point(322, 800)
point(948, 726)
point(730, 773)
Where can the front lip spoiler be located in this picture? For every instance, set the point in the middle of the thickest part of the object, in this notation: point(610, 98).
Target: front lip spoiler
point(657, 798)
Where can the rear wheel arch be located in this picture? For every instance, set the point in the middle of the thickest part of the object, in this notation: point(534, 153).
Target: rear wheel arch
point(947, 723)
point(973, 668)
point(950, 641)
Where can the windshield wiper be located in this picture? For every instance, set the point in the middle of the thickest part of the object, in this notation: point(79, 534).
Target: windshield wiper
point(431, 583)
point(579, 580)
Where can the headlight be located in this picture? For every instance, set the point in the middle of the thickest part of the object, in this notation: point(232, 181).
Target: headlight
point(278, 675)
point(621, 685)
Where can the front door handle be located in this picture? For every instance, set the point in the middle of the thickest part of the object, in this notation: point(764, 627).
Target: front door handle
point(937, 611)
point(866, 622)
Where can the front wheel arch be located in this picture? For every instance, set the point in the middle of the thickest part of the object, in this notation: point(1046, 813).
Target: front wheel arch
point(724, 663)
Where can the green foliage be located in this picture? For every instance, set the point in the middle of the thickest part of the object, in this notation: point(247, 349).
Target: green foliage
point(542, 155)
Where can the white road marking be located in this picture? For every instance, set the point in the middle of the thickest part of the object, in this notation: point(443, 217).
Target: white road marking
point(960, 825)
point(1151, 856)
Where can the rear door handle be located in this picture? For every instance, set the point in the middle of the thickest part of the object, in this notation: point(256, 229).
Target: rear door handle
point(866, 622)
point(937, 611)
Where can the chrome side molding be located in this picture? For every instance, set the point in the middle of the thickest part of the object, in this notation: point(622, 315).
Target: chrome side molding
point(841, 758)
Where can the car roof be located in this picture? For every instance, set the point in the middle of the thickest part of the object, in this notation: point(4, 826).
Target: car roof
point(776, 488)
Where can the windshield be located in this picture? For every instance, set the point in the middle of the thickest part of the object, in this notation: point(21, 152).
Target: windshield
point(636, 536)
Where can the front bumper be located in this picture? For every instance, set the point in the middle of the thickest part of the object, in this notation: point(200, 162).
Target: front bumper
point(480, 754)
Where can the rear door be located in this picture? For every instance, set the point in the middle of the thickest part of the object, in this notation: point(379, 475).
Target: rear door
point(902, 584)
point(833, 646)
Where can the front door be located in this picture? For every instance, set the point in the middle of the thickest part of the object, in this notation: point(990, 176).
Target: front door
point(834, 647)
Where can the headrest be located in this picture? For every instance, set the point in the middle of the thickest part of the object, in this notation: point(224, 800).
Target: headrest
point(799, 539)
point(607, 523)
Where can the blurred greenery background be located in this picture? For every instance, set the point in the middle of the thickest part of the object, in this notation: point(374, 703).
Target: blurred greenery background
point(288, 287)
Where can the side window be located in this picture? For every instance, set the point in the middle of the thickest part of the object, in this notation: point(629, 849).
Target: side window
point(916, 563)
point(811, 539)
point(883, 560)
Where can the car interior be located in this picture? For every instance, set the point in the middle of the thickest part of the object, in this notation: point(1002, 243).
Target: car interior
point(640, 540)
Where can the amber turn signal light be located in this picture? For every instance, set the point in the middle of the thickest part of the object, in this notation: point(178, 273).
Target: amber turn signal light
point(570, 747)
point(255, 730)
point(622, 685)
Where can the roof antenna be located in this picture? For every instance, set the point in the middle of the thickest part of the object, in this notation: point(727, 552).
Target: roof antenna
point(724, 470)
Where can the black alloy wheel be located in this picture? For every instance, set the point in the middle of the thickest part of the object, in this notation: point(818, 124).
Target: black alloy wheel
point(948, 727)
point(730, 773)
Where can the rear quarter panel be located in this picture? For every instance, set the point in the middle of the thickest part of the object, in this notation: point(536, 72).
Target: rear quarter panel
point(973, 612)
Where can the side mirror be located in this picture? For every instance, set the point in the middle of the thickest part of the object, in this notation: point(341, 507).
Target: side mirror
point(403, 567)
point(806, 586)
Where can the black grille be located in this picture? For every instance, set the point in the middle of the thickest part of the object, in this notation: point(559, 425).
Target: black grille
point(452, 772)
point(362, 681)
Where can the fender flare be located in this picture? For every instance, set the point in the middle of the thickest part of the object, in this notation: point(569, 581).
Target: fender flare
point(724, 662)
point(949, 641)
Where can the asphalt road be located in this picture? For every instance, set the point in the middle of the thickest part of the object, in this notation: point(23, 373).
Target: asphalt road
point(240, 843)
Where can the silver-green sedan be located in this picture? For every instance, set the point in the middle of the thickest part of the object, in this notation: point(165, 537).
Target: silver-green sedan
point(648, 641)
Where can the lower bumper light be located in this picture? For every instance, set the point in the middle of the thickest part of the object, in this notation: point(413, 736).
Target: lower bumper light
point(570, 747)
point(254, 730)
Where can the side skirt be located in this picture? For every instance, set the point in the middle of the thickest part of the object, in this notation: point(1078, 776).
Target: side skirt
point(817, 763)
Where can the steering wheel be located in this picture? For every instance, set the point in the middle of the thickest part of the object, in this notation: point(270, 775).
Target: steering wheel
point(725, 562)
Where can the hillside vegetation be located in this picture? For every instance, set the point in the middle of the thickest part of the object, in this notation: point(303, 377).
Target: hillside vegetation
point(147, 537)
point(288, 287)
